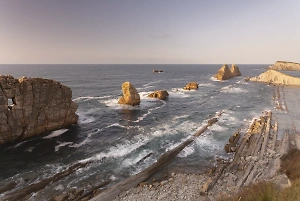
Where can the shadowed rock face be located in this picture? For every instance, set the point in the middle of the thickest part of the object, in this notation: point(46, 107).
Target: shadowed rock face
point(161, 94)
point(31, 106)
point(276, 78)
point(284, 65)
point(130, 95)
point(224, 73)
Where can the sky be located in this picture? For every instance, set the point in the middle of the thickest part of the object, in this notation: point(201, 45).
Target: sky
point(149, 31)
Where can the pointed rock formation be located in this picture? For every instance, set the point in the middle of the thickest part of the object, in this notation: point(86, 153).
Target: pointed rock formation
point(191, 85)
point(235, 71)
point(276, 78)
point(224, 73)
point(31, 106)
point(161, 94)
point(130, 95)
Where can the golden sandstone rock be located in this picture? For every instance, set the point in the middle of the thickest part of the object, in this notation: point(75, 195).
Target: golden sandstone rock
point(30, 106)
point(191, 85)
point(276, 78)
point(130, 95)
point(161, 94)
point(224, 73)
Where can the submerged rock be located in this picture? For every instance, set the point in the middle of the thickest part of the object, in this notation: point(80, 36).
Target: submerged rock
point(161, 94)
point(31, 106)
point(224, 73)
point(276, 78)
point(191, 85)
point(130, 95)
point(285, 65)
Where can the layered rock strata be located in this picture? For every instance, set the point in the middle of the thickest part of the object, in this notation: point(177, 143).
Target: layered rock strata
point(130, 95)
point(285, 65)
point(276, 78)
point(191, 85)
point(224, 73)
point(31, 106)
point(161, 94)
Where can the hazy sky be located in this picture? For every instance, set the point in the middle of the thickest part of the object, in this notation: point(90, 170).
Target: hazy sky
point(149, 31)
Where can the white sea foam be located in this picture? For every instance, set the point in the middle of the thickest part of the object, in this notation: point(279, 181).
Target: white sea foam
point(56, 133)
point(188, 150)
point(227, 118)
point(178, 93)
point(150, 110)
point(77, 145)
point(206, 85)
point(231, 89)
point(120, 150)
point(61, 144)
point(131, 161)
point(218, 128)
point(29, 149)
point(86, 98)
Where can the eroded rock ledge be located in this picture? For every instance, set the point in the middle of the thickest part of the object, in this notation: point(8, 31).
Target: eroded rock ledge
point(31, 106)
point(276, 78)
point(285, 65)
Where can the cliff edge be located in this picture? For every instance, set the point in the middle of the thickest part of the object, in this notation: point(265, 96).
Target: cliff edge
point(285, 65)
point(31, 106)
point(276, 78)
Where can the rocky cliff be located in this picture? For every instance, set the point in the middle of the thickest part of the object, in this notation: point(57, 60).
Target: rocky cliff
point(284, 65)
point(276, 78)
point(31, 106)
point(224, 73)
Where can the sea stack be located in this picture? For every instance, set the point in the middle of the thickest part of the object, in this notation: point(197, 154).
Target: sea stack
point(161, 94)
point(224, 73)
point(31, 106)
point(191, 85)
point(130, 95)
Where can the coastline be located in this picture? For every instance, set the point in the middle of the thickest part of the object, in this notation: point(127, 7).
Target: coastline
point(257, 159)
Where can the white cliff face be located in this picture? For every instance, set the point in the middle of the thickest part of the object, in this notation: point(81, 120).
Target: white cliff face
point(31, 106)
point(284, 65)
point(276, 78)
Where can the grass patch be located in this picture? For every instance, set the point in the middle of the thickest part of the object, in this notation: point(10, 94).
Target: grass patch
point(290, 164)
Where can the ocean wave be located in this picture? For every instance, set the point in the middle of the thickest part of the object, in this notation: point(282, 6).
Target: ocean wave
point(119, 150)
point(61, 144)
point(232, 89)
point(56, 133)
point(87, 98)
point(150, 110)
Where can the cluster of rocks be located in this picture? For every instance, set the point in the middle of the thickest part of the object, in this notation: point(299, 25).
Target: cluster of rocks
point(224, 73)
point(176, 187)
point(285, 65)
point(31, 106)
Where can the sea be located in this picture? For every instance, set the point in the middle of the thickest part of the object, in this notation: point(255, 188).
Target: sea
point(117, 138)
